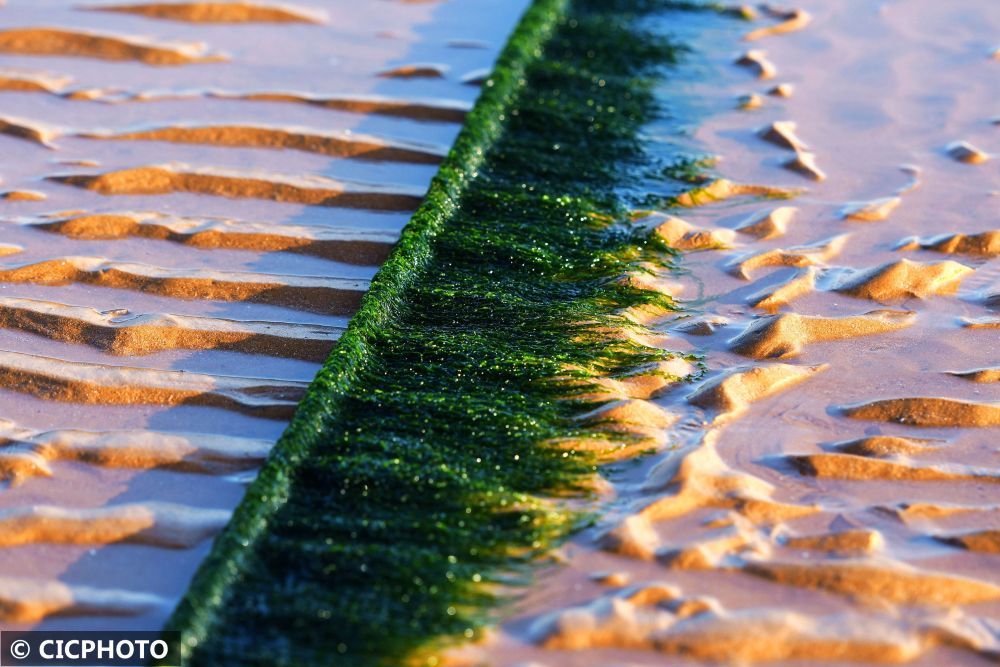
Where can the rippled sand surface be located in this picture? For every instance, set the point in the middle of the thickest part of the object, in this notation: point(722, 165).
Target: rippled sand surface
point(196, 196)
point(828, 492)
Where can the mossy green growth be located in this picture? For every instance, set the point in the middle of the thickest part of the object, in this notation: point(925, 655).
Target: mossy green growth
point(419, 469)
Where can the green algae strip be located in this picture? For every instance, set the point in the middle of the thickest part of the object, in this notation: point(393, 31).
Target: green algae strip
point(419, 472)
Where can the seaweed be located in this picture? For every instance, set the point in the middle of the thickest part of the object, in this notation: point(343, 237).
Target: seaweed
point(422, 470)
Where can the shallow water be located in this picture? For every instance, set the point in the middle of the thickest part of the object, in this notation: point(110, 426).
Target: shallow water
point(187, 229)
point(781, 523)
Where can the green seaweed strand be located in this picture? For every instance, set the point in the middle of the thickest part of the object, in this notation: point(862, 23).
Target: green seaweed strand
point(419, 471)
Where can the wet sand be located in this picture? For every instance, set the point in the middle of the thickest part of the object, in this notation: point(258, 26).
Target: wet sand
point(827, 492)
point(196, 196)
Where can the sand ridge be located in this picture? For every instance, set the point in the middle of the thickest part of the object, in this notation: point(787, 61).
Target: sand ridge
point(120, 332)
point(204, 11)
point(160, 524)
point(313, 190)
point(85, 44)
point(26, 453)
point(100, 384)
point(983, 244)
point(312, 293)
point(339, 244)
point(25, 600)
point(796, 256)
point(784, 335)
point(335, 144)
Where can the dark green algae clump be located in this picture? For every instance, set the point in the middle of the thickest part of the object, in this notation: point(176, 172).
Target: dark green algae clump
point(418, 473)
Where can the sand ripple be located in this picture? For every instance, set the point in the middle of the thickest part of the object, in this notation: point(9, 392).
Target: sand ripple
point(313, 190)
point(984, 244)
point(75, 382)
point(786, 334)
point(120, 332)
point(965, 152)
point(216, 12)
point(682, 235)
point(33, 82)
point(983, 541)
point(26, 453)
point(756, 61)
point(792, 20)
point(25, 600)
point(342, 245)
point(735, 390)
point(903, 279)
point(66, 42)
point(323, 295)
point(891, 582)
point(863, 468)
point(157, 524)
point(875, 210)
point(768, 224)
point(659, 617)
point(928, 412)
point(334, 144)
point(979, 374)
point(796, 256)
point(722, 189)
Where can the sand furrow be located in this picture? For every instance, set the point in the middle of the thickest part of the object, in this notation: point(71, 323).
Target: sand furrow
point(79, 43)
point(927, 411)
point(312, 190)
point(204, 11)
point(26, 453)
point(784, 335)
point(334, 144)
point(157, 524)
point(353, 246)
point(98, 384)
point(121, 332)
point(317, 294)
point(24, 600)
